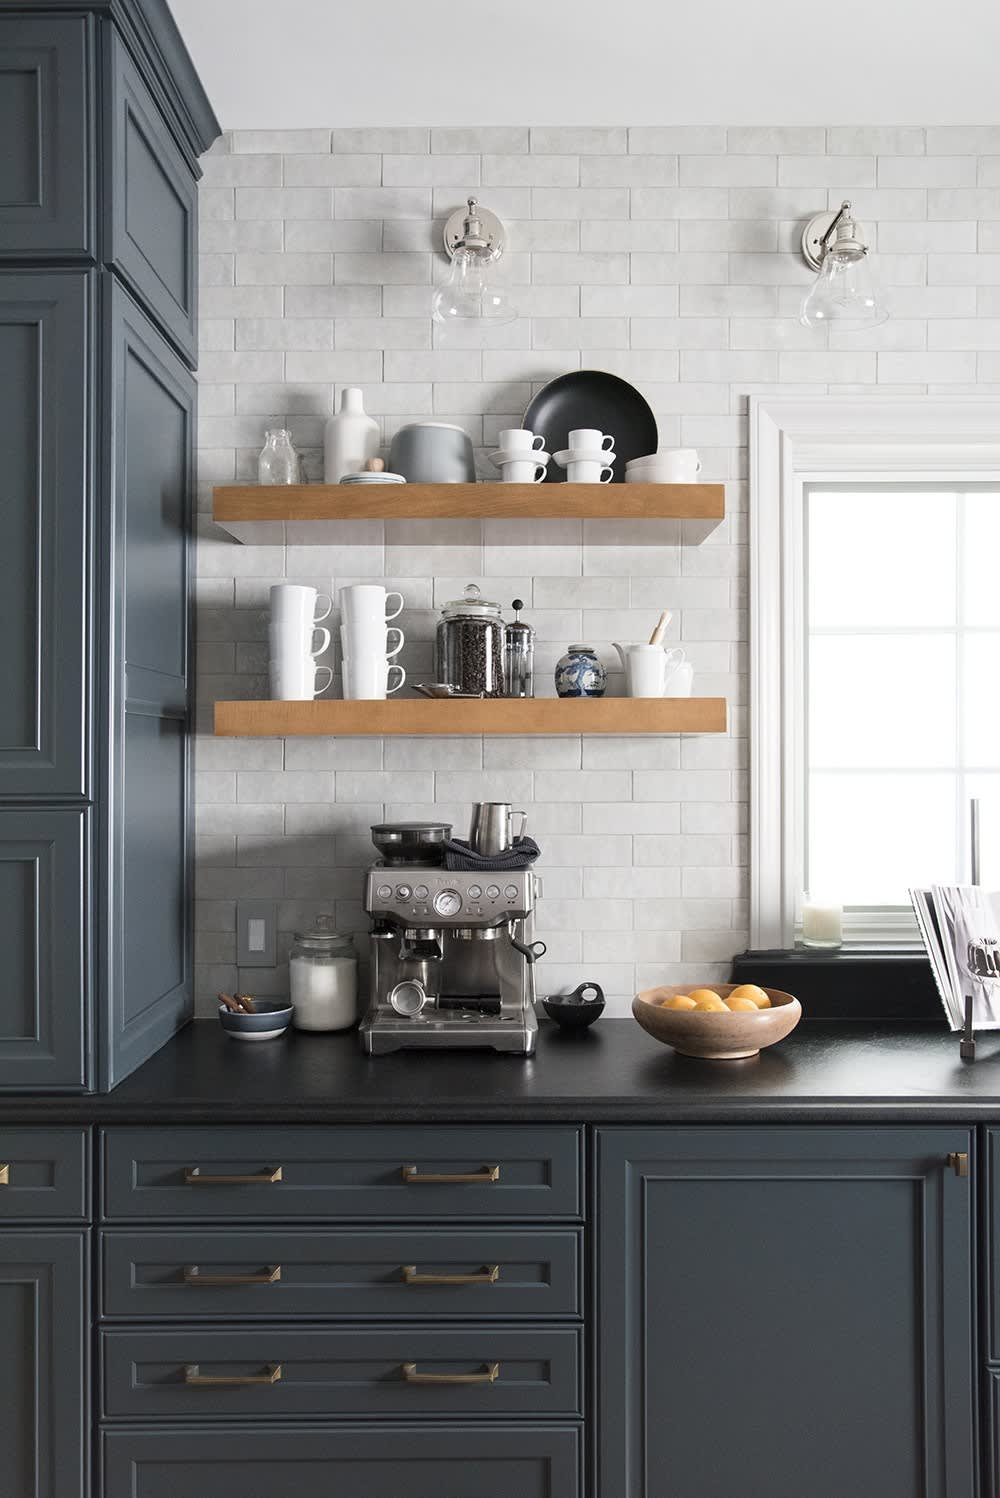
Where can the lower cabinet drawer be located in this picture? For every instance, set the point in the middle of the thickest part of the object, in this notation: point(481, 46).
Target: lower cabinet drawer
point(470, 1461)
point(44, 1174)
point(442, 1274)
point(285, 1372)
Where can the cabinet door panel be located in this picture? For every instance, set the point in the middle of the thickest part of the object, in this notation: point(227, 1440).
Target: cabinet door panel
point(42, 903)
point(153, 206)
point(148, 934)
point(804, 1293)
point(43, 542)
point(470, 1461)
point(43, 1400)
point(45, 170)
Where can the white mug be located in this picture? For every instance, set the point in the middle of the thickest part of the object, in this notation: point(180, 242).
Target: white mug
point(367, 637)
point(298, 680)
point(294, 603)
point(590, 440)
point(290, 640)
point(368, 601)
point(589, 471)
point(680, 680)
point(367, 679)
point(519, 440)
point(523, 472)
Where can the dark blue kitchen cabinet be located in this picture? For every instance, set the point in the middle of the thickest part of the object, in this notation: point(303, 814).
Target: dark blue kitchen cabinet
point(102, 119)
point(45, 522)
point(47, 160)
point(44, 1336)
point(785, 1311)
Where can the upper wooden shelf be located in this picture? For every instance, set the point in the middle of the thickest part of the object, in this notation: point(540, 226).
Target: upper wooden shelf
point(258, 514)
point(472, 716)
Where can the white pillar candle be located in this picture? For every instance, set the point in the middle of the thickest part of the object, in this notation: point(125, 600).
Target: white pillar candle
point(822, 922)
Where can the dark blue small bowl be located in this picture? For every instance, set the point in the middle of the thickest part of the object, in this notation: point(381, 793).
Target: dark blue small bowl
point(270, 1018)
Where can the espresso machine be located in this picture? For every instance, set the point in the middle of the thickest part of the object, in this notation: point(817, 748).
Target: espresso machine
point(452, 955)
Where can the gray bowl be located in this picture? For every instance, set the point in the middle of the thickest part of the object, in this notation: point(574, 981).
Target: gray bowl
point(269, 1019)
point(432, 452)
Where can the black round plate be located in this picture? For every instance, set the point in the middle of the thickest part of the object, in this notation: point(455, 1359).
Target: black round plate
point(592, 398)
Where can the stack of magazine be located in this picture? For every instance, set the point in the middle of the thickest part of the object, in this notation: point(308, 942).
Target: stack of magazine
point(960, 925)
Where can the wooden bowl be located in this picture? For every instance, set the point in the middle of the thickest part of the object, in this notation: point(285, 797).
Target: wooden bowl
point(716, 1036)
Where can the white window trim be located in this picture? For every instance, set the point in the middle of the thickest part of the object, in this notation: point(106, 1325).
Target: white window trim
point(794, 442)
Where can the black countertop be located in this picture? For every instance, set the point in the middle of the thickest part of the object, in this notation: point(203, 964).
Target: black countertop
point(827, 1071)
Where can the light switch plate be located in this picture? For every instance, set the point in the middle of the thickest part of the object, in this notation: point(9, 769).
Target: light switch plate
point(255, 933)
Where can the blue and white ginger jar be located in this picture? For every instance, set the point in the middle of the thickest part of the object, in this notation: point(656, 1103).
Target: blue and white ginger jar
point(580, 673)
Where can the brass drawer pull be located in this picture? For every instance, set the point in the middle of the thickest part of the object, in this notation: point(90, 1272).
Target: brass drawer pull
point(489, 1375)
point(959, 1162)
point(192, 1276)
point(484, 1177)
point(267, 1177)
point(486, 1276)
point(4, 1175)
point(197, 1380)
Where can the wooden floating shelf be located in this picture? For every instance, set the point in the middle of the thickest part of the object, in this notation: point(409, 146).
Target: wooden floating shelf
point(472, 716)
point(259, 514)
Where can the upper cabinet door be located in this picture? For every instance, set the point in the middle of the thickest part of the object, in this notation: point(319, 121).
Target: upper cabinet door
point(151, 217)
point(44, 626)
point(785, 1312)
point(45, 159)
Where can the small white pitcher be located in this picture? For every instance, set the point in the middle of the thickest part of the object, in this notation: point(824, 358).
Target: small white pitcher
point(647, 667)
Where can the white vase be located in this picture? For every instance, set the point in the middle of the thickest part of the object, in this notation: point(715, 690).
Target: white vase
point(350, 439)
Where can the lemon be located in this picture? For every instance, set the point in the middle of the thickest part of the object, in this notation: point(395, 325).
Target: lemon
point(710, 1003)
point(737, 1004)
point(751, 991)
point(679, 1001)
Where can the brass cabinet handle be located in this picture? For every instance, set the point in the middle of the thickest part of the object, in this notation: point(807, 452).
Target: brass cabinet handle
point(959, 1162)
point(266, 1177)
point(489, 1375)
point(488, 1275)
point(193, 1276)
point(484, 1177)
point(4, 1175)
point(197, 1380)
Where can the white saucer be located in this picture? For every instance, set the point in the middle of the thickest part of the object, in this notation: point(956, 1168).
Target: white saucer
point(568, 456)
point(503, 455)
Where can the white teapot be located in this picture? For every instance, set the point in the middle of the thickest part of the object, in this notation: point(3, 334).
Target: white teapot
point(650, 670)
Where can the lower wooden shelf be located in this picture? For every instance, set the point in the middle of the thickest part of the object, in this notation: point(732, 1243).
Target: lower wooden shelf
point(472, 716)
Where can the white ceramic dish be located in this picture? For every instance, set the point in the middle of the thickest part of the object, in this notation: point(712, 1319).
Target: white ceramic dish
point(502, 456)
point(596, 455)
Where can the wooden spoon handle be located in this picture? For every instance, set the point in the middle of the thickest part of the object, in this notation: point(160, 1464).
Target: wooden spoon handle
point(656, 638)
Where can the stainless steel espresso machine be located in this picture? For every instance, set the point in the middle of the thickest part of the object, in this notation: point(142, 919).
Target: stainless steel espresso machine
point(451, 951)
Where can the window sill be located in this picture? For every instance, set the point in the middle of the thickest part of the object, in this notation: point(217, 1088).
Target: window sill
point(869, 981)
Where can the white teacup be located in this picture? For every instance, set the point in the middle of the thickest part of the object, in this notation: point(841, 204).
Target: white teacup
point(589, 471)
point(368, 601)
point(287, 641)
point(294, 603)
point(367, 637)
point(367, 679)
point(522, 471)
point(520, 440)
point(298, 679)
point(590, 440)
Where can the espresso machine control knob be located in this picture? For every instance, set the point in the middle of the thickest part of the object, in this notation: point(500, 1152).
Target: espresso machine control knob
point(402, 891)
point(408, 997)
point(511, 892)
point(493, 891)
point(447, 902)
point(384, 891)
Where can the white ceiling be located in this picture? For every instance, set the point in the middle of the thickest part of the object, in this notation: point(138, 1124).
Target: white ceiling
point(276, 64)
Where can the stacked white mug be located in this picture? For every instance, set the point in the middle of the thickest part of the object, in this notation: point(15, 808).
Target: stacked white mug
point(364, 638)
point(296, 640)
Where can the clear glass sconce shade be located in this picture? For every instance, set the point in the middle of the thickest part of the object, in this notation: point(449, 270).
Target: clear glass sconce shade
point(844, 295)
point(469, 293)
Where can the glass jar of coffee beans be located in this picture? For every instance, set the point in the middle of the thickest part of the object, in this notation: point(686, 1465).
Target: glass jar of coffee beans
point(469, 647)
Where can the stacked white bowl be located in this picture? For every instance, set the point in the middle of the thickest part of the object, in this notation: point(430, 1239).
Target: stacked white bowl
point(520, 458)
point(589, 458)
point(674, 465)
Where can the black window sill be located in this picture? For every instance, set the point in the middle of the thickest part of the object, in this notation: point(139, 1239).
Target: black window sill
point(855, 983)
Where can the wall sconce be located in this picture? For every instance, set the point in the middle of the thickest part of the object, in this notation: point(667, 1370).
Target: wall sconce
point(475, 239)
point(845, 292)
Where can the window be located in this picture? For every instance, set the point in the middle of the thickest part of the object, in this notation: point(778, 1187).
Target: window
point(875, 646)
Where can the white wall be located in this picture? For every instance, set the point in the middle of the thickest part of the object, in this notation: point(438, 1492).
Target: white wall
point(428, 62)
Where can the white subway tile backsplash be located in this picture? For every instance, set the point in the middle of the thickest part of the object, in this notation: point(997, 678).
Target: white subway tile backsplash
point(667, 254)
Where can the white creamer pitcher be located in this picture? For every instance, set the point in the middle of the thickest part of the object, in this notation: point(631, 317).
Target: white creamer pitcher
point(647, 668)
